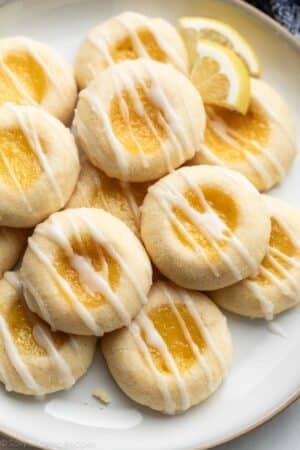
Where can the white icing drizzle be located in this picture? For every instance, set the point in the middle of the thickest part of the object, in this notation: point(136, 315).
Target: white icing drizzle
point(4, 377)
point(25, 121)
point(16, 360)
point(131, 200)
point(16, 83)
point(204, 330)
point(89, 138)
point(45, 67)
point(32, 297)
point(210, 224)
point(200, 358)
point(16, 182)
point(154, 339)
point(93, 281)
point(101, 41)
point(82, 312)
point(44, 340)
point(171, 122)
point(237, 140)
point(14, 280)
point(162, 383)
point(288, 285)
point(100, 238)
point(97, 187)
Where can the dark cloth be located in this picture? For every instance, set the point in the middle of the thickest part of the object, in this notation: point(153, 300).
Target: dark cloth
point(286, 12)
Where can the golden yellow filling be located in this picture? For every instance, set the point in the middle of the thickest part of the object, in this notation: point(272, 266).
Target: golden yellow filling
point(111, 193)
point(222, 205)
point(280, 241)
point(23, 74)
point(171, 331)
point(19, 166)
point(137, 132)
point(231, 135)
point(20, 322)
point(111, 196)
point(125, 49)
point(100, 260)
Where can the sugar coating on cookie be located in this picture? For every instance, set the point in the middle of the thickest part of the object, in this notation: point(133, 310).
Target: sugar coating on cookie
point(121, 199)
point(85, 272)
point(147, 121)
point(260, 144)
point(128, 36)
point(39, 165)
point(175, 353)
point(12, 244)
point(205, 226)
point(32, 73)
point(33, 359)
point(276, 287)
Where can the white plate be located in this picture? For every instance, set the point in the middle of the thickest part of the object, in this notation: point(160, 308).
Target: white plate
point(266, 368)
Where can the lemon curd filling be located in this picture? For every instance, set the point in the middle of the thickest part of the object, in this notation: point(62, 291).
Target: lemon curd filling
point(110, 194)
point(19, 166)
point(230, 135)
point(222, 205)
point(23, 75)
point(20, 323)
point(125, 49)
point(133, 129)
point(280, 241)
point(100, 260)
point(171, 331)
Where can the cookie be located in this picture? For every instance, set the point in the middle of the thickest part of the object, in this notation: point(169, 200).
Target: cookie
point(39, 165)
point(175, 353)
point(96, 190)
point(260, 144)
point(85, 272)
point(205, 226)
point(128, 36)
point(32, 73)
point(276, 287)
point(33, 359)
point(147, 121)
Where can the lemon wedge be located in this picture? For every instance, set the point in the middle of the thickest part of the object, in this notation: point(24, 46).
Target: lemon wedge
point(195, 28)
point(221, 77)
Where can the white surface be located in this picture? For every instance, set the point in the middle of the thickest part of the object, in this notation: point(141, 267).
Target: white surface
point(266, 369)
point(282, 432)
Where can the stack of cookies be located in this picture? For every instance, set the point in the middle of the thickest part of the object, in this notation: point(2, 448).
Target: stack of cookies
point(151, 218)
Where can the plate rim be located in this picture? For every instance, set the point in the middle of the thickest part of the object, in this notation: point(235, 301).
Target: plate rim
point(295, 42)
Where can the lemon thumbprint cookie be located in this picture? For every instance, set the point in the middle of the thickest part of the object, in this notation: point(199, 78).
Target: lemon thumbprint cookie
point(32, 73)
point(33, 359)
point(174, 354)
point(12, 244)
point(39, 165)
point(205, 226)
point(96, 190)
point(260, 144)
point(147, 121)
point(85, 272)
point(125, 37)
point(276, 287)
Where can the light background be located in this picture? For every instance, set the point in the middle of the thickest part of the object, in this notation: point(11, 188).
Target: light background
point(281, 433)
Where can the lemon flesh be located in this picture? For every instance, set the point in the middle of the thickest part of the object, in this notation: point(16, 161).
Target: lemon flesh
point(221, 77)
point(195, 28)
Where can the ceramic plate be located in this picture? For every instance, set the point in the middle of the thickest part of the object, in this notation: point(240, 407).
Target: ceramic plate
point(266, 369)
